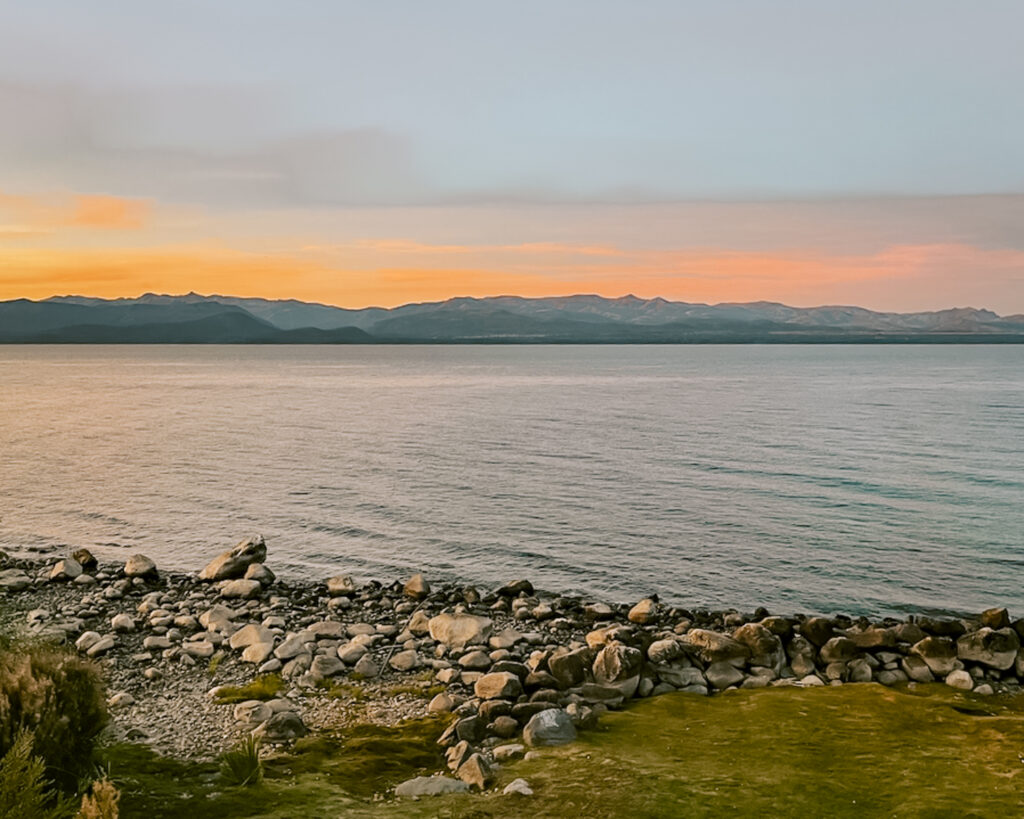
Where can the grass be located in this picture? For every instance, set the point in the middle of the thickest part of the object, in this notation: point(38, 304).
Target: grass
point(343, 691)
point(215, 662)
point(242, 766)
point(409, 689)
point(265, 687)
point(855, 750)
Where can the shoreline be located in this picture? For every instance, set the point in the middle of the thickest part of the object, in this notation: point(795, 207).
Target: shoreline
point(508, 669)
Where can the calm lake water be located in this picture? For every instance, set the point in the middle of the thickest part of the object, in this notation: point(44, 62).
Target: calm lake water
point(805, 478)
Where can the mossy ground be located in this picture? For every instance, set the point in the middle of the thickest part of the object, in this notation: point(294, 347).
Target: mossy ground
point(857, 750)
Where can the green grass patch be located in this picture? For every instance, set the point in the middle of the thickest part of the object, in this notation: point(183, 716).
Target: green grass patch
point(265, 687)
point(343, 691)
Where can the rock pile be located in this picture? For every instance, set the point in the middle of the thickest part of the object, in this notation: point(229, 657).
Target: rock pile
point(516, 669)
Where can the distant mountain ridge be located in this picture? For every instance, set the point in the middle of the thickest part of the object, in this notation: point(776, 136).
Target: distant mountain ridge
point(194, 318)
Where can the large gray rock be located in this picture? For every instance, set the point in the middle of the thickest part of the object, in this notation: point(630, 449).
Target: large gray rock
point(996, 648)
point(460, 630)
point(680, 676)
point(550, 727)
point(233, 563)
point(430, 786)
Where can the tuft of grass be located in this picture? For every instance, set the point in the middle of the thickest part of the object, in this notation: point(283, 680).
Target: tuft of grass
point(265, 687)
point(215, 662)
point(342, 691)
point(242, 766)
point(414, 690)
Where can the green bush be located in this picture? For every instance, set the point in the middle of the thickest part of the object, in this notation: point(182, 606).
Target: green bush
point(58, 697)
point(24, 793)
point(261, 688)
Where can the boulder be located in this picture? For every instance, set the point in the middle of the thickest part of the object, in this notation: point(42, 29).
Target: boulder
point(67, 569)
point(475, 772)
point(460, 630)
point(515, 588)
point(233, 563)
point(665, 651)
point(14, 580)
point(644, 612)
point(86, 559)
point(916, 669)
point(417, 588)
point(723, 674)
point(839, 650)
point(801, 655)
point(341, 585)
point(405, 660)
point(938, 653)
point(818, 630)
point(872, 637)
point(430, 786)
point(570, 668)
point(680, 676)
point(995, 618)
point(140, 566)
point(284, 726)
point(260, 573)
point(366, 668)
point(499, 685)
point(960, 679)
point(765, 647)
point(995, 648)
point(616, 663)
point(251, 635)
point(324, 665)
point(550, 727)
point(714, 647)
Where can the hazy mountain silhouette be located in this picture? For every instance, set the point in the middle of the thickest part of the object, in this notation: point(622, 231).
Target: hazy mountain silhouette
point(195, 319)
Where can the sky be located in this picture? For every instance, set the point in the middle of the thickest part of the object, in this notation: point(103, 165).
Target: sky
point(356, 153)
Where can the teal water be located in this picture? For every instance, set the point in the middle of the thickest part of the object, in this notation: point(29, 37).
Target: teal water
point(804, 478)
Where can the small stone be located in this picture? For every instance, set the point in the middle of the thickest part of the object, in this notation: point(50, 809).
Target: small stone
point(366, 668)
point(518, 787)
point(441, 703)
point(87, 640)
point(503, 753)
point(260, 573)
point(475, 661)
point(85, 559)
point(475, 772)
point(122, 699)
point(258, 653)
point(252, 711)
point(283, 726)
point(101, 646)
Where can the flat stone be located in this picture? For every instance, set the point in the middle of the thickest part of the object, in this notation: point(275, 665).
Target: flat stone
point(252, 711)
point(14, 580)
point(518, 787)
point(995, 648)
point(341, 585)
point(67, 569)
point(459, 630)
point(430, 786)
point(405, 660)
point(101, 646)
point(714, 646)
point(241, 589)
point(475, 661)
point(258, 653)
point(723, 674)
point(251, 635)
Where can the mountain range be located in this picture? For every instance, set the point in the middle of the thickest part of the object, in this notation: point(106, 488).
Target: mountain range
point(197, 319)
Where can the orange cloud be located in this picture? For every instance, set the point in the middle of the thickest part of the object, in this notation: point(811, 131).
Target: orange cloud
point(905, 277)
point(42, 215)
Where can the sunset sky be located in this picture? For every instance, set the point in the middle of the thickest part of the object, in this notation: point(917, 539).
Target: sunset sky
point(359, 153)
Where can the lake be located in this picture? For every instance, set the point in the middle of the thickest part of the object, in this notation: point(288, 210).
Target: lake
point(859, 479)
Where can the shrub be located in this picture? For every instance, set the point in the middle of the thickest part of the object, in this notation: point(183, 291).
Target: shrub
point(23, 789)
point(57, 696)
point(242, 766)
point(101, 803)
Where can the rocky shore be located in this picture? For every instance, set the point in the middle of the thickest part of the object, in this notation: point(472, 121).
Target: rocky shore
point(509, 669)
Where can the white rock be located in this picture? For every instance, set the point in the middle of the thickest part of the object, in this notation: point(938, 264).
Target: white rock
point(518, 786)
